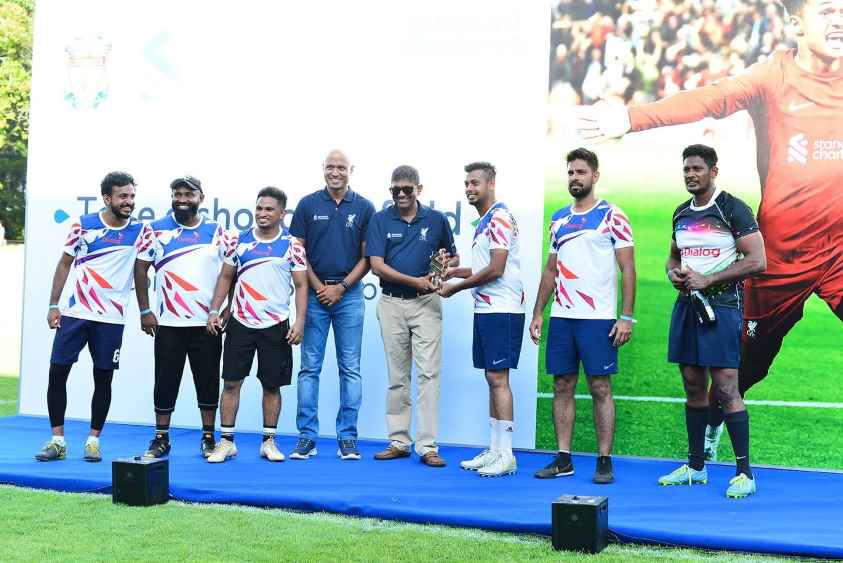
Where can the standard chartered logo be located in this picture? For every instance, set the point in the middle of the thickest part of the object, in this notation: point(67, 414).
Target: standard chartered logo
point(821, 149)
point(797, 149)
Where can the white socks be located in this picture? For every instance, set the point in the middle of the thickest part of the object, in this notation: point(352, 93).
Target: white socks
point(501, 432)
point(58, 440)
point(505, 431)
point(93, 440)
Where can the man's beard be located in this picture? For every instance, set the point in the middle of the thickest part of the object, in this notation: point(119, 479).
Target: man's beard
point(581, 191)
point(185, 215)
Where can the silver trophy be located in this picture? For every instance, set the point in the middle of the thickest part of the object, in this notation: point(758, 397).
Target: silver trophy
point(438, 263)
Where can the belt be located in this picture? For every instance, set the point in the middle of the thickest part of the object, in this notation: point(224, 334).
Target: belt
point(404, 294)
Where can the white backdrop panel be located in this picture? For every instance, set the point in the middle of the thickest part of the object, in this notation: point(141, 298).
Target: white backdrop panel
point(254, 93)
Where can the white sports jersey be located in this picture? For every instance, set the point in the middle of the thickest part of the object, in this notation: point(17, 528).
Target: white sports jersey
point(264, 276)
point(497, 229)
point(586, 269)
point(104, 267)
point(187, 263)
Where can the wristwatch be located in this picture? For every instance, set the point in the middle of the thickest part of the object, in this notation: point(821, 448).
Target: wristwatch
point(344, 284)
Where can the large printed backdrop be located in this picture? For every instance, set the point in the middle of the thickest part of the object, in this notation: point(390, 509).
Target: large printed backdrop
point(249, 94)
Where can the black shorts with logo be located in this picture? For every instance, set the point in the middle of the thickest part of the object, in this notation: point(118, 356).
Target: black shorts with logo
point(275, 355)
point(203, 350)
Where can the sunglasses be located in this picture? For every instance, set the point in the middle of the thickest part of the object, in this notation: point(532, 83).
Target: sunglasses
point(395, 190)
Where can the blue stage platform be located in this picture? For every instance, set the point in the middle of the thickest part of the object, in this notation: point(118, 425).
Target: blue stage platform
point(794, 512)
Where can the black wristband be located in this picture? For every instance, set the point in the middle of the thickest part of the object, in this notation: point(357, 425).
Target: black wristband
point(344, 284)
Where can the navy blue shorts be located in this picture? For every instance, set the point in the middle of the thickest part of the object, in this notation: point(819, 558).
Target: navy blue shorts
point(103, 340)
point(497, 340)
point(694, 344)
point(571, 341)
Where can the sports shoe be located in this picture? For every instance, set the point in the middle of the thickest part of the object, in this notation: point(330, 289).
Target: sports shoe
point(603, 474)
point(684, 475)
point(712, 441)
point(740, 486)
point(556, 468)
point(222, 451)
point(348, 449)
point(305, 449)
point(158, 447)
point(52, 451)
point(483, 458)
point(500, 466)
point(206, 445)
point(269, 450)
point(92, 452)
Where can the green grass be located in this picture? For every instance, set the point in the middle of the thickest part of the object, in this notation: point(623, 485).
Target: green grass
point(43, 525)
point(8, 394)
point(806, 369)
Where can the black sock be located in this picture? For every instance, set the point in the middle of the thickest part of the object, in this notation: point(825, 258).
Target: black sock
point(737, 423)
point(57, 393)
point(208, 429)
point(695, 420)
point(564, 458)
point(715, 414)
point(101, 401)
point(227, 433)
point(162, 431)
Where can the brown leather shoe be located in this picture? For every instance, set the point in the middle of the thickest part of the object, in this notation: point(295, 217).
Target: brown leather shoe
point(433, 459)
point(391, 452)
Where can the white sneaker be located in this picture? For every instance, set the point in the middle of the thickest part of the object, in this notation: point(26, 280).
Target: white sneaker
point(480, 460)
point(270, 450)
point(503, 464)
point(712, 441)
point(223, 450)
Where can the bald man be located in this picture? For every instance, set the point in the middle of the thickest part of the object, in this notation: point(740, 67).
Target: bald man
point(331, 224)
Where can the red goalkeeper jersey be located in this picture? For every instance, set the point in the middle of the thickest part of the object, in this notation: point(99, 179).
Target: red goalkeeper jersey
point(798, 117)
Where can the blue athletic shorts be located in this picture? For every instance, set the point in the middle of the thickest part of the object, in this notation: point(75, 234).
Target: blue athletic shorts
point(695, 344)
point(103, 340)
point(571, 341)
point(497, 340)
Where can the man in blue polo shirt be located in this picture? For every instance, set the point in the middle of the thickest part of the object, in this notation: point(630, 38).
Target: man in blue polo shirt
point(400, 242)
point(331, 224)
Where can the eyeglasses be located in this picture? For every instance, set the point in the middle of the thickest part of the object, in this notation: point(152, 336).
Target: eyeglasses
point(408, 190)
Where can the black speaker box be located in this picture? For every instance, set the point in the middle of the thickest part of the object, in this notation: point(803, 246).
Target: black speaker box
point(138, 481)
point(580, 523)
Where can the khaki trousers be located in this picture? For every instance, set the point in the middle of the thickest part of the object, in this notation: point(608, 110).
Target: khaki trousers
point(412, 330)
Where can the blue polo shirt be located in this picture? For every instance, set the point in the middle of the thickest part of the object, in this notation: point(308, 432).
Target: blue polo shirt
point(332, 232)
point(406, 247)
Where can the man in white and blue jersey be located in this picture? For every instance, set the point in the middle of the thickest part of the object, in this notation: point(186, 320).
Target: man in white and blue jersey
point(589, 240)
point(268, 263)
point(100, 249)
point(495, 282)
point(716, 243)
point(187, 252)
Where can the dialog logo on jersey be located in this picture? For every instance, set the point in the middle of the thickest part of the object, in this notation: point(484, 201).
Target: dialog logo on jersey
point(797, 149)
point(698, 251)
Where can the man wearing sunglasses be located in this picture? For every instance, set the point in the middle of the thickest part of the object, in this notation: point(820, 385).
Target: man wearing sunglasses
point(400, 243)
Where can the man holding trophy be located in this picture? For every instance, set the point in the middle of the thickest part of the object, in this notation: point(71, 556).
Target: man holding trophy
point(716, 243)
point(409, 246)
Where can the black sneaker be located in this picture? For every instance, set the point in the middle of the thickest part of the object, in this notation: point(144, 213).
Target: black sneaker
point(305, 449)
point(348, 449)
point(559, 467)
point(207, 445)
point(604, 475)
point(158, 447)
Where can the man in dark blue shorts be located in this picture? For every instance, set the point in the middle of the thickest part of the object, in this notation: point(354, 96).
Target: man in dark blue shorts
point(716, 244)
point(101, 249)
point(590, 239)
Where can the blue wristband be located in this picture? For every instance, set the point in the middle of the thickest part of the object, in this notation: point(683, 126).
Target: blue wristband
point(53, 307)
point(628, 318)
point(146, 311)
point(213, 312)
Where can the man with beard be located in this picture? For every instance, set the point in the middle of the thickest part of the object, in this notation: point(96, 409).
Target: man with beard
point(716, 244)
point(400, 243)
point(587, 239)
point(494, 279)
point(187, 251)
point(101, 248)
point(795, 100)
point(268, 263)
